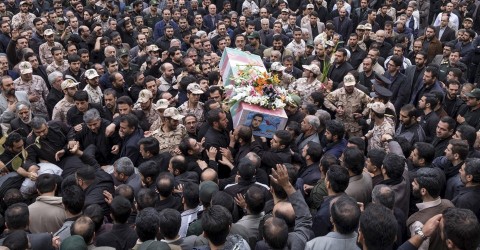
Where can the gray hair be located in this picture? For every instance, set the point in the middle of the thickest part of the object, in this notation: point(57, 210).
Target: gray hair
point(175, 40)
point(21, 104)
point(264, 21)
point(323, 116)
point(91, 115)
point(314, 121)
point(384, 195)
point(200, 33)
point(124, 166)
point(38, 122)
point(52, 77)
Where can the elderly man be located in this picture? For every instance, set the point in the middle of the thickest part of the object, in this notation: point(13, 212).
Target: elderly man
point(349, 104)
point(309, 127)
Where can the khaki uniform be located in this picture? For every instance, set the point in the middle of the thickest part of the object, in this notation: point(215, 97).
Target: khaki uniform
point(21, 19)
point(286, 80)
point(303, 89)
point(152, 115)
point(169, 140)
point(354, 103)
point(375, 135)
point(94, 95)
point(156, 124)
point(197, 111)
point(54, 67)
point(60, 110)
point(45, 53)
point(38, 87)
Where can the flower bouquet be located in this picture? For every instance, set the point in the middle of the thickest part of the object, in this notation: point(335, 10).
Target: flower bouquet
point(253, 85)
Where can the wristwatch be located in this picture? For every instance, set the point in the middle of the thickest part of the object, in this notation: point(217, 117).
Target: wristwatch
point(419, 232)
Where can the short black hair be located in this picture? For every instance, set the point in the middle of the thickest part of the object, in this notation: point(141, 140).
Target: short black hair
point(73, 199)
point(179, 163)
point(345, 214)
point(461, 227)
point(170, 222)
point(121, 209)
point(338, 178)
point(80, 95)
point(145, 197)
point(378, 227)
point(16, 240)
point(284, 136)
point(468, 133)
point(46, 183)
point(191, 194)
point(150, 144)
point(429, 179)
point(314, 151)
point(472, 167)
point(130, 119)
point(426, 151)
point(147, 224)
point(394, 166)
point(336, 128)
point(354, 160)
point(17, 216)
point(216, 222)
point(376, 157)
point(149, 169)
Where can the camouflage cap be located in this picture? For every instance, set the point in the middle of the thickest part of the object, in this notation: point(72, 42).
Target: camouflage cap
point(173, 113)
point(162, 104)
point(195, 88)
point(69, 83)
point(144, 96)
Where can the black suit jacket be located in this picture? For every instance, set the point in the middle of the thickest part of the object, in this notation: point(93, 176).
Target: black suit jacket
point(122, 236)
point(447, 36)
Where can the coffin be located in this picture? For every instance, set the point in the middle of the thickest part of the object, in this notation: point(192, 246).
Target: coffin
point(273, 120)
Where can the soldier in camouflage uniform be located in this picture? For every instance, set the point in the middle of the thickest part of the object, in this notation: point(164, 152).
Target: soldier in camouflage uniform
point(69, 87)
point(193, 105)
point(58, 64)
point(144, 103)
point(95, 94)
point(23, 18)
point(171, 132)
point(285, 79)
point(381, 126)
point(350, 104)
point(308, 84)
point(160, 106)
point(45, 49)
point(35, 87)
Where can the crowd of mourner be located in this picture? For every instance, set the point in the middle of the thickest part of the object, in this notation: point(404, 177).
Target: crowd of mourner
point(117, 131)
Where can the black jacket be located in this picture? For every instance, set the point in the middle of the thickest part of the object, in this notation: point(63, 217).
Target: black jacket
point(121, 237)
point(94, 192)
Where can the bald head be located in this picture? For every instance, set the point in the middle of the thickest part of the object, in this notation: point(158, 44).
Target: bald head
point(284, 210)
